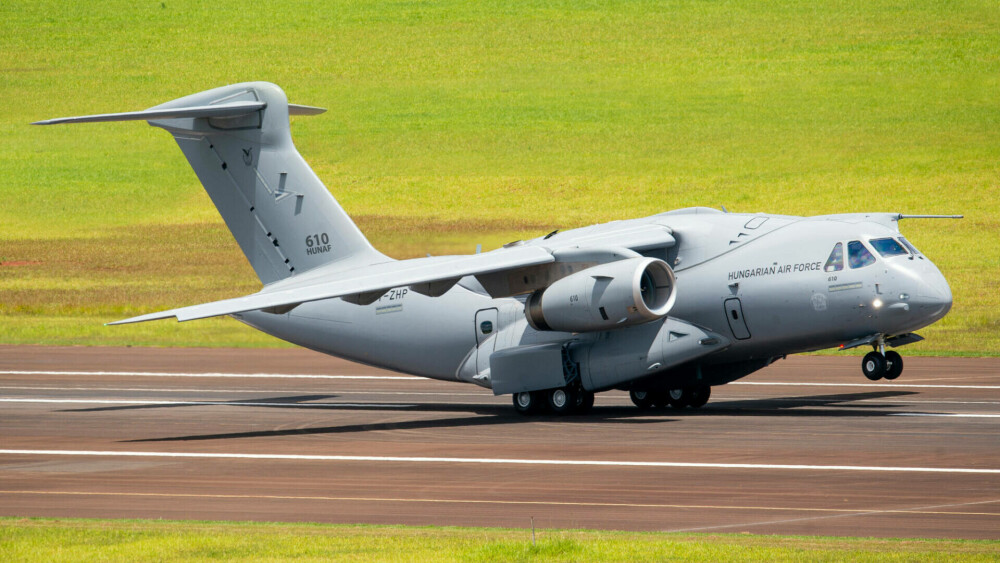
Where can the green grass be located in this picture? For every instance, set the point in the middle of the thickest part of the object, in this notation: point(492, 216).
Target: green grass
point(40, 539)
point(457, 123)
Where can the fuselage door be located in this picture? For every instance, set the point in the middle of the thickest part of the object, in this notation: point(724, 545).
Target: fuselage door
point(734, 314)
point(486, 331)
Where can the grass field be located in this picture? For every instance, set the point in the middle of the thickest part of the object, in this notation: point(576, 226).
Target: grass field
point(157, 540)
point(457, 123)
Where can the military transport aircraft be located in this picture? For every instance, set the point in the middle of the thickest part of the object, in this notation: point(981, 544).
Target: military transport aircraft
point(664, 306)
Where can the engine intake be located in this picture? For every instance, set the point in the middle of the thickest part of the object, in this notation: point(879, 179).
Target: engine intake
point(607, 296)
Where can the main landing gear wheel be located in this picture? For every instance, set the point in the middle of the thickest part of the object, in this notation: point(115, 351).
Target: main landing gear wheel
point(642, 399)
point(585, 402)
point(895, 365)
point(874, 365)
point(700, 395)
point(563, 400)
point(679, 398)
point(528, 402)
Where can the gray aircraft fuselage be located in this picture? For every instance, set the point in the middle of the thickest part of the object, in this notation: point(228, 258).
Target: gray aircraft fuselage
point(772, 275)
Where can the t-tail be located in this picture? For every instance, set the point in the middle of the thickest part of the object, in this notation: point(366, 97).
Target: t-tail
point(237, 139)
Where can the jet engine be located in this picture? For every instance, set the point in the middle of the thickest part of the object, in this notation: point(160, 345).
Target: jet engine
point(607, 296)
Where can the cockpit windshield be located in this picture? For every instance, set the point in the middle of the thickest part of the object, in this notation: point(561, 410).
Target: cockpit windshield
point(858, 256)
point(887, 247)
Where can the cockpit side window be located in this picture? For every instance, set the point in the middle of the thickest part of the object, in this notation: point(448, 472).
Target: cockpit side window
point(887, 247)
point(835, 262)
point(858, 256)
point(913, 250)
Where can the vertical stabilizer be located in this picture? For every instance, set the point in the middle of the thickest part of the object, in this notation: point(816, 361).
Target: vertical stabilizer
point(279, 211)
point(237, 139)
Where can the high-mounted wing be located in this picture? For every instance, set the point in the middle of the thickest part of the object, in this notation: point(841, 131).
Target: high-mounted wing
point(500, 272)
point(365, 284)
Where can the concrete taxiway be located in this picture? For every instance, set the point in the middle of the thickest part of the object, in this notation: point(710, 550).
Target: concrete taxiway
point(807, 446)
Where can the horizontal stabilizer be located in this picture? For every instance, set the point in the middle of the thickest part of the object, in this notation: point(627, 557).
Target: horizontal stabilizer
point(900, 217)
point(296, 109)
point(230, 109)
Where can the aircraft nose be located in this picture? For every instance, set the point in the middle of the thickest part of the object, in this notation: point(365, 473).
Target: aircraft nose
point(934, 294)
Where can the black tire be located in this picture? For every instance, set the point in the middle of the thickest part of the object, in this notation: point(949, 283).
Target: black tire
point(895, 365)
point(700, 395)
point(661, 399)
point(528, 402)
point(562, 400)
point(873, 366)
point(642, 399)
point(584, 402)
point(679, 398)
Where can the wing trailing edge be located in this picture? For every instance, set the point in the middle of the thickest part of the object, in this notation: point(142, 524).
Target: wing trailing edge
point(359, 284)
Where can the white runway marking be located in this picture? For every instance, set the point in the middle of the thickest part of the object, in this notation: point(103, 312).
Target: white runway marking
point(808, 509)
point(946, 414)
point(204, 403)
point(485, 393)
point(604, 400)
point(863, 384)
point(239, 375)
point(851, 514)
point(413, 378)
point(609, 395)
point(503, 461)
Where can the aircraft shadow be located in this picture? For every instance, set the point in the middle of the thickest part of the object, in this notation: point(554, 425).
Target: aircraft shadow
point(490, 415)
point(812, 405)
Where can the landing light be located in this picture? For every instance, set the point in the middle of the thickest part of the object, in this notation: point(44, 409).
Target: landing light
point(877, 303)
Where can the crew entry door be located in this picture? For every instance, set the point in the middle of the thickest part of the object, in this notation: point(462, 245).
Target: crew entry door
point(734, 314)
point(486, 330)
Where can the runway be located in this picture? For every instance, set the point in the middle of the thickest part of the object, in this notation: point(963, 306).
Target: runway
point(806, 446)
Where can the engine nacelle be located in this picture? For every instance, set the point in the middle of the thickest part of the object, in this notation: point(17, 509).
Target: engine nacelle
point(607, 296)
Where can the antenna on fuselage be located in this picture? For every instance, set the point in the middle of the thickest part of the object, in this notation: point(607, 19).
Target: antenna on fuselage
point(724, 210)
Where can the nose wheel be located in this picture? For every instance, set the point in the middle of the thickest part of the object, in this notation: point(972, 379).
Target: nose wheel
point(876, 365)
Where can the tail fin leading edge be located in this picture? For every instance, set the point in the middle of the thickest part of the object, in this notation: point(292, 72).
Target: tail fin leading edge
point(238, 141)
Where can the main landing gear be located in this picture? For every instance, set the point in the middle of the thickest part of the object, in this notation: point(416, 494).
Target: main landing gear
point(879, 363)
point(561, 401)
point(695, 396)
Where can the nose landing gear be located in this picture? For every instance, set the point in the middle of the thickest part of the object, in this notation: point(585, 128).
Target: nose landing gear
point(879, 363)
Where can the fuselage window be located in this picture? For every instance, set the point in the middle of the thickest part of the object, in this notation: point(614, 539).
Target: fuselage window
point(835, 262)
point(887, 247)
point(858, 256)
